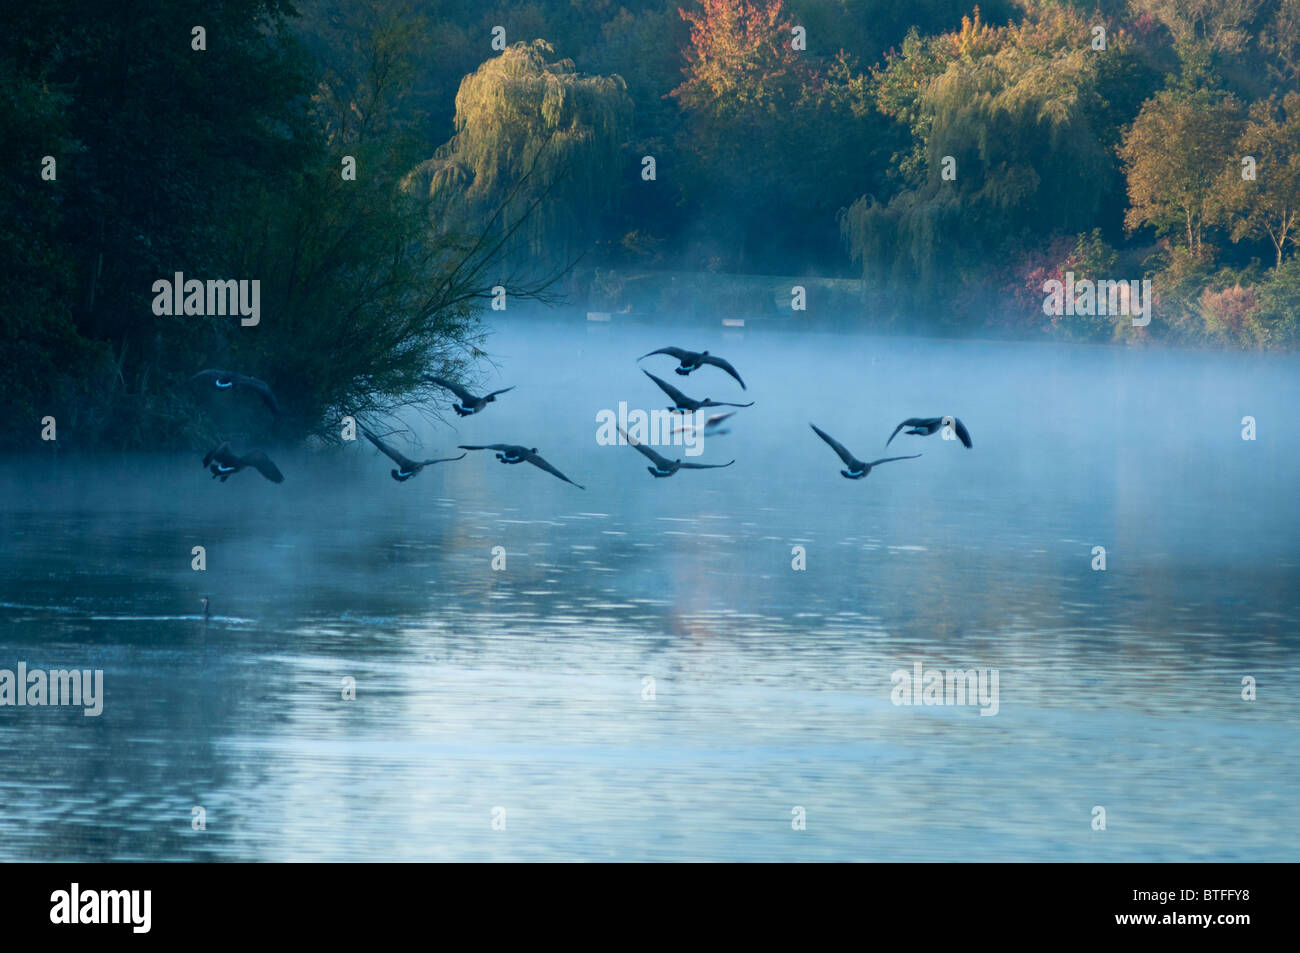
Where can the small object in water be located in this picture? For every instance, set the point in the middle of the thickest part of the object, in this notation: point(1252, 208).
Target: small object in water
point(857, 469)
point(228, 380)
point(515, 453)
point(207, 604)
point(694, 360)
point(684, 403)
point(469, 404)
point(663, 467)
point(407, 467)
point(223, 464)
point(925, 426)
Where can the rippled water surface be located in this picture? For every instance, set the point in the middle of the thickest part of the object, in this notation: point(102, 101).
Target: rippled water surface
point(526, 688)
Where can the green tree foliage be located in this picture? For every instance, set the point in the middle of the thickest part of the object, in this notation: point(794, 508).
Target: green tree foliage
point(38, 339)
point(778, 138)
point(225, 163)
point(365, 297)
point(644, 47)
point(368, 298)
point(1223, 25)
point(169, 143)
point(221, 163)
point(1012, 111)
point(1269, 205)
point(1279, 307)
point(522, 115)
point(1280, 40)
point(1175, 155)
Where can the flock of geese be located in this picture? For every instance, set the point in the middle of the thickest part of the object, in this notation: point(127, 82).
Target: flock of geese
point(224, 463)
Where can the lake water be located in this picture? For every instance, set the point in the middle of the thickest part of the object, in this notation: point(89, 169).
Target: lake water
point(525, 689)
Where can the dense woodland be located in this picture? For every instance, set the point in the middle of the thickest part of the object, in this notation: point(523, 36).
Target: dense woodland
point(1117, 153)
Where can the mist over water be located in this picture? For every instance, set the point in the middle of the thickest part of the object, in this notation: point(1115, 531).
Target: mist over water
point(524, 688)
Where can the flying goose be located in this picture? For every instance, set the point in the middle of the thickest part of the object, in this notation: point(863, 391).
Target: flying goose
point(684, 403)
point(857, 469)
point(469, 404)
point(694, 360)
point(227, 380)
point(712, 426)
point(925, 426)
point(407, 467)
point(663, 467)
point(223, 463)
point(514, 453)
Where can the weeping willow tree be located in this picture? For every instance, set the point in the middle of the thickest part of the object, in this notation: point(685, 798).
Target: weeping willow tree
point(530, 134)
point(1006, 146)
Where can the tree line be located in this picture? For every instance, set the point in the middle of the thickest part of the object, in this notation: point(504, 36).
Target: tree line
point(956, 158)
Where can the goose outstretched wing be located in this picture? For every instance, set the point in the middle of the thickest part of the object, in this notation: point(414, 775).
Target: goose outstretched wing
point(456, 389)
point(909, 422)
point(538, 462)
point(263, 465)
point(876, 463)
point(848, 458)
point(726, 366)
point(406, 463)
point(678, 352)
point(650, 454)
point(681, 399)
